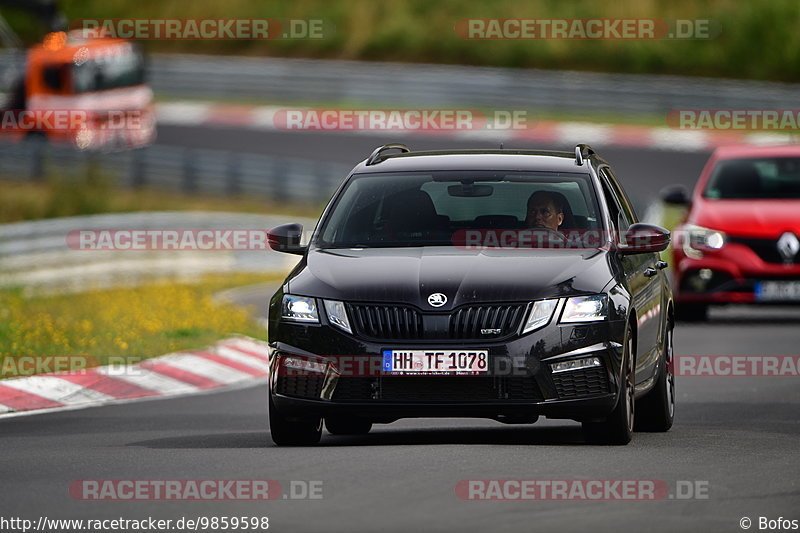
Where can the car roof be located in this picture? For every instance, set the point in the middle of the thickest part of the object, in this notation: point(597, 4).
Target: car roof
point(526, 160)
point(745, 151)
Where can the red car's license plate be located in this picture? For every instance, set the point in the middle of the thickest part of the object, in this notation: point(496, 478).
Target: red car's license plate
point(777, 291)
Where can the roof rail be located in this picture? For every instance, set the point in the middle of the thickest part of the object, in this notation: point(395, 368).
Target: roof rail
point(375, 157)
point(582, 150)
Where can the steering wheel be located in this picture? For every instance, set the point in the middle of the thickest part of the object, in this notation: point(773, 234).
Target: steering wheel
point(551, 232)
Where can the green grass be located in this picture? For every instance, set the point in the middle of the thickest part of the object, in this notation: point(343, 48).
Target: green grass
point(757, 39)
point(124, 324)
point(88, 195)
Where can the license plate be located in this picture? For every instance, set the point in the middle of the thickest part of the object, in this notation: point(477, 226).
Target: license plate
point(774, 291)
point(435, 361)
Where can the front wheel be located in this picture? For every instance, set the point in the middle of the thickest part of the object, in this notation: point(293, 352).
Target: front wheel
point(656, 411)
point(303, 431)
point(618, 427)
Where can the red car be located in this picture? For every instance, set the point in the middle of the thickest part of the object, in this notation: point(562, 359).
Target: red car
point(740, 242)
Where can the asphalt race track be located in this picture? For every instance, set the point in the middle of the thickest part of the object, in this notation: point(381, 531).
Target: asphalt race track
point(734, 443)
point(643, 171)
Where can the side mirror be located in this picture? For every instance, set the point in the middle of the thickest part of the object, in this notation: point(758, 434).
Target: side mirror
point(676, 195)
point(286, 238)
point(644, 238)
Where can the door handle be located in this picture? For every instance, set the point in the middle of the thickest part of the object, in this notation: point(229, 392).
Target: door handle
point(661, 265)
point(650, 272)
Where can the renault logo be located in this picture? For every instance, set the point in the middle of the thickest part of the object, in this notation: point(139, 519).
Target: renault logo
point(437, 299)
point(788, 246)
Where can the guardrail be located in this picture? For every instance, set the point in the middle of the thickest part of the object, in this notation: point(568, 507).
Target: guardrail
point(282, 179)
point(424, 85)
point(36, 255)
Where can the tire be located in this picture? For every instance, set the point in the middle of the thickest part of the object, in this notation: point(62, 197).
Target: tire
point(693, 312)
point(618, 427)
point(656, 411)
point(337, 425)
point(293, 431)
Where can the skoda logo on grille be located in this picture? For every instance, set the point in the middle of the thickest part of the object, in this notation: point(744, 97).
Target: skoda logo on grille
point(437, 299)
point(788, 246)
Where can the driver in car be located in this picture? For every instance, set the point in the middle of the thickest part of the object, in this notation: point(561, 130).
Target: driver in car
point(544, 211)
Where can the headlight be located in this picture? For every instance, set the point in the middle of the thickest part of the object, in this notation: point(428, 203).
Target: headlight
point(299, 309)
point(337, 314)
point(585, 308)
point(540, 315)
point(696, 239)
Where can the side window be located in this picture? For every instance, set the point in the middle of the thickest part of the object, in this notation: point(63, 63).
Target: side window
point(618, 216)
point(52, 77)
point(627, 207)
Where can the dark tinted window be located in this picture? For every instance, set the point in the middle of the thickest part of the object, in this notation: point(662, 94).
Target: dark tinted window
point(776, 177)
point(624, 202)
point(123, 68)
point(619, 216)
point(53, 77)
point(421, 209)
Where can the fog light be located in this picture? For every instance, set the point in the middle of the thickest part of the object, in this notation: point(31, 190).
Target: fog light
point(697, 281)
point(575, 364)
point(296, 363)
point(705, 274)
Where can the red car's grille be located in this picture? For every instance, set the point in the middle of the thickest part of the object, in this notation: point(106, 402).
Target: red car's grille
point(766, 249)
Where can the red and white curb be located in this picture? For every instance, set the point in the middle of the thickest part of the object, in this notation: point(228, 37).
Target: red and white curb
point(545, 132)
point(233, 362)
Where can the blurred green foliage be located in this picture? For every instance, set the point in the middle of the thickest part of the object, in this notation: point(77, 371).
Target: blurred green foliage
point(758, 39)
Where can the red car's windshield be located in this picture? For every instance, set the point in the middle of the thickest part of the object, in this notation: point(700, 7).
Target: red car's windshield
point(767, 177)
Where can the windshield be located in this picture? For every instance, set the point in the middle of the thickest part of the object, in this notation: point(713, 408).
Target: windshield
point(110, 71)
point(436, 208)
point(771, 177)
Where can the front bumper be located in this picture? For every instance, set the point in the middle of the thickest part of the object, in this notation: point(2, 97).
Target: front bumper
point(591, 408)
point(519, 384)
point(728, 275)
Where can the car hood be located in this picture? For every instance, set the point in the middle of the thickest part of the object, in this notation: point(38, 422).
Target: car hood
point(410, 275)
point(749, 218)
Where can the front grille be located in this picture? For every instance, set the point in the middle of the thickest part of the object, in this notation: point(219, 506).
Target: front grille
point(586, 382)
point(437, 389)
point(386, 321)
point(467, 322)
point(303, 386)
point(522, 388)
point(354, 388)
point(766, 249)
point(476, 322)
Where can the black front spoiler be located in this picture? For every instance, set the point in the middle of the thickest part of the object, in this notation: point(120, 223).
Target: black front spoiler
point(591, 408)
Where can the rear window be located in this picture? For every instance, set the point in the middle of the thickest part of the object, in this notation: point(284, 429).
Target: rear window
point(774, 177)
